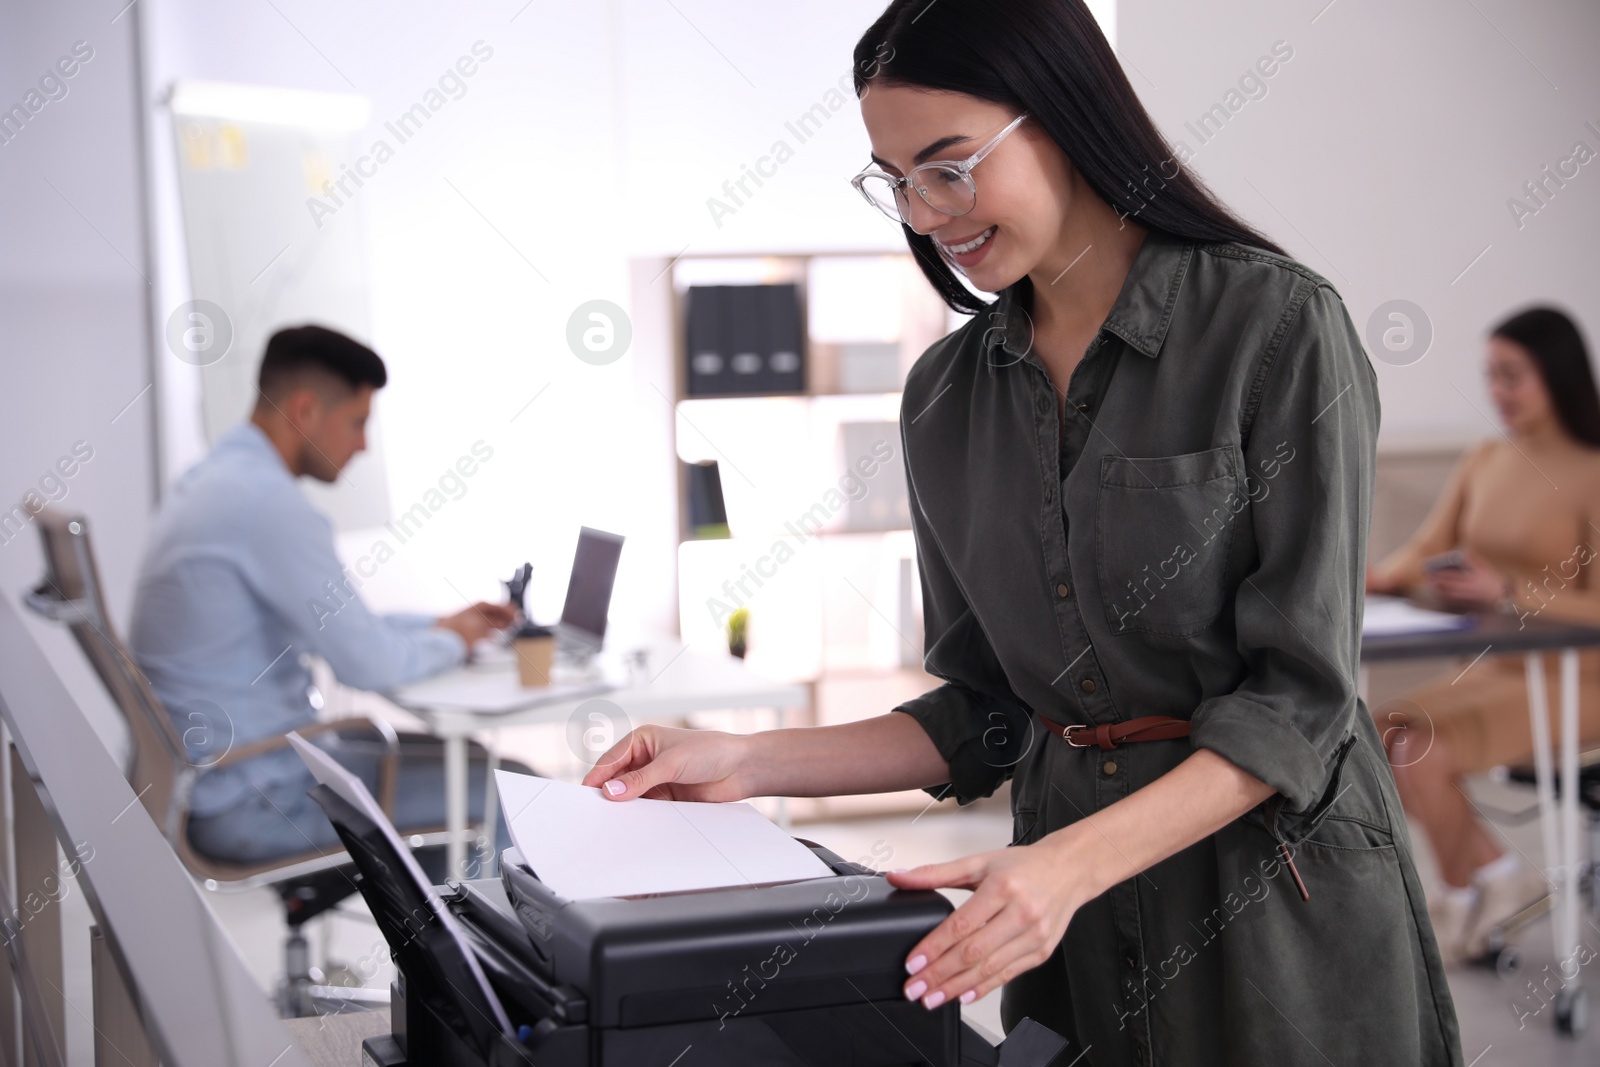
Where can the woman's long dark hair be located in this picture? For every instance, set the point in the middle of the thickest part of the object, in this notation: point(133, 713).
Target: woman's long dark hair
point(1557, 348)
point(1050, 59)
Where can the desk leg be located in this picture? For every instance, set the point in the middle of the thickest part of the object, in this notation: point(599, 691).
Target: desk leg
point(491, 807)
point(1567, 915)
point(1543, 771)
point(455, 803)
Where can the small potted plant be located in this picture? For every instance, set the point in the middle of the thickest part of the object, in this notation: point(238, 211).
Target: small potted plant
point(738, 623)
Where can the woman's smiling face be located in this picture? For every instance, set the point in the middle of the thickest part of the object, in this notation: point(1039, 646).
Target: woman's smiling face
point(1025, 184)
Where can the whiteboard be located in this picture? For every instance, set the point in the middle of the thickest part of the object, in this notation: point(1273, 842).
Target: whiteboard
point(264, 260)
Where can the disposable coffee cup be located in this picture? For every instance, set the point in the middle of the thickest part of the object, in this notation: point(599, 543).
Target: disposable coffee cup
point(535, 648)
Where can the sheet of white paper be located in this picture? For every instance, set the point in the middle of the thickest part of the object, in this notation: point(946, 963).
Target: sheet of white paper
point(1392, 616)
point(582, 845)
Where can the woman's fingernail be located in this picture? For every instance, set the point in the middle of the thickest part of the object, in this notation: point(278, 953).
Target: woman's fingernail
point(935, 999)
point(915, 990)
point(915, 964)
point(969, 996)
point(615, 788)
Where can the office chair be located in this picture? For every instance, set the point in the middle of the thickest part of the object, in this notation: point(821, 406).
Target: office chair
point(163, 774)
point(1502, 954)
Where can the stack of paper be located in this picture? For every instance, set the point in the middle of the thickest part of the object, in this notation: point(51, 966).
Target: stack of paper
point(582, 845)
point(1388, 616)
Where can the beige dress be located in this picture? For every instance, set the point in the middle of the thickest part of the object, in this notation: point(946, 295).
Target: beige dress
point(1530, 507)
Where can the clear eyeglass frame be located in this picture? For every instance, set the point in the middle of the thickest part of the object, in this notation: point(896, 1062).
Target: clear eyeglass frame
point(954, 194)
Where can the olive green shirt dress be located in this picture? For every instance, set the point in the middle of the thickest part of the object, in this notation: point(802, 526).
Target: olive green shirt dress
point(1188, 539)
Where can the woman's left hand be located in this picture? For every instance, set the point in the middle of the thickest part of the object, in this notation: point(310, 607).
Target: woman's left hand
point(1024, 897)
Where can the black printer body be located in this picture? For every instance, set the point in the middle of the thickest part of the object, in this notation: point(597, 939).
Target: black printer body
point(801, 973)
point(798, 974)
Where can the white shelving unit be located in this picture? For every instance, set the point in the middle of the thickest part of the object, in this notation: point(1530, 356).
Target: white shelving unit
point(821, 552)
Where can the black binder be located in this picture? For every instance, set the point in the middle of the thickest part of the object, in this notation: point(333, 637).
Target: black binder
point(744, 339)
point(708, 515)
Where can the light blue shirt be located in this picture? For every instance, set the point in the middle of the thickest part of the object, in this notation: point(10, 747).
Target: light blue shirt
point(239, 582)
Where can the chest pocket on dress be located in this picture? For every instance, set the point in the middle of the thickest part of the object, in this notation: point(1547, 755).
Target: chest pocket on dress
point(1164, 527)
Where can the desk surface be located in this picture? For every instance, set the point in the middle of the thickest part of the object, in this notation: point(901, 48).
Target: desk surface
point(1491, 631)
point(678, 680)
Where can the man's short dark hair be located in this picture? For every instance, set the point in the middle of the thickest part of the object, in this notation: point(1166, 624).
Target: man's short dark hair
point(300, 354)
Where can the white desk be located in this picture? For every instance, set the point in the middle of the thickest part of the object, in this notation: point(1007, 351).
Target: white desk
point(1563, 859)
point(487, 695)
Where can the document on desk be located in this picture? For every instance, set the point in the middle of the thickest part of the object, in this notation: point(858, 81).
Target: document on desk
point(582, 845)
point(1388, 616)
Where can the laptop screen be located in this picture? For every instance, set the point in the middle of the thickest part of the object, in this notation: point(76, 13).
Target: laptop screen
point(594, 572)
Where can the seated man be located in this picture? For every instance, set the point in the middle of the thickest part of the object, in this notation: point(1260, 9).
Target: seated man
point(234, 592)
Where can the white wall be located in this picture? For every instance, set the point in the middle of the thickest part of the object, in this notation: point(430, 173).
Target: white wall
point(73, 361)
point(1384, 153)
point(711, 91)
point(74, 365)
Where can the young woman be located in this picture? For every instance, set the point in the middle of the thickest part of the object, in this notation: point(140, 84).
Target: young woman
point(1522, 513)
point(1141, 483)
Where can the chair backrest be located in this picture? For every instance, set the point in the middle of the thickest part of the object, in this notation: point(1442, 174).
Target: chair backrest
point(71, 593)
point(162, 772)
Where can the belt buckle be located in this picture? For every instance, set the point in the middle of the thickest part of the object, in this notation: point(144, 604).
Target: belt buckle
point(1066, 735)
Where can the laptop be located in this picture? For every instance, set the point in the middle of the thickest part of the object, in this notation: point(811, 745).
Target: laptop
point(582, 629)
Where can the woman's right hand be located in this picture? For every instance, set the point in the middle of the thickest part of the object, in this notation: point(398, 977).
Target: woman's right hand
point(664, 763)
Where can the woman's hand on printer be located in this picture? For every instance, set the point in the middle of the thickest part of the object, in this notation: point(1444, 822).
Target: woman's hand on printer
point(663, 763)
point(1025, 895)
point(1023, 898)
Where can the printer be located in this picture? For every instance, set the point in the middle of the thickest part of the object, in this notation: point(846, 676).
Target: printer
point(496, 972)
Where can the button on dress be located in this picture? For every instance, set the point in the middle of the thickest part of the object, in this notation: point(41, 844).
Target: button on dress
point(1185, 536)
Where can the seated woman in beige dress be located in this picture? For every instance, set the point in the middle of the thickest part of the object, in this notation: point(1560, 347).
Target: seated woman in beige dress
point(1517, 529)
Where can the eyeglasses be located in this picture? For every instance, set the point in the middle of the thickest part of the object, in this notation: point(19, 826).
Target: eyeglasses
point(947, 186)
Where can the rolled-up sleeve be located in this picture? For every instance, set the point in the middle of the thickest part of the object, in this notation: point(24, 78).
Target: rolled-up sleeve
point(974, 720)
point(1297, 613)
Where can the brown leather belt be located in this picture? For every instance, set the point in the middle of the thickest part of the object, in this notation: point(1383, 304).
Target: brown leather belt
point(1109, 735)
point(1145, 728)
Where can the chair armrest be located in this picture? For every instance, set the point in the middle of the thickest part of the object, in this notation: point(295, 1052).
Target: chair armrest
point(388, 767)
point(270, 744)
